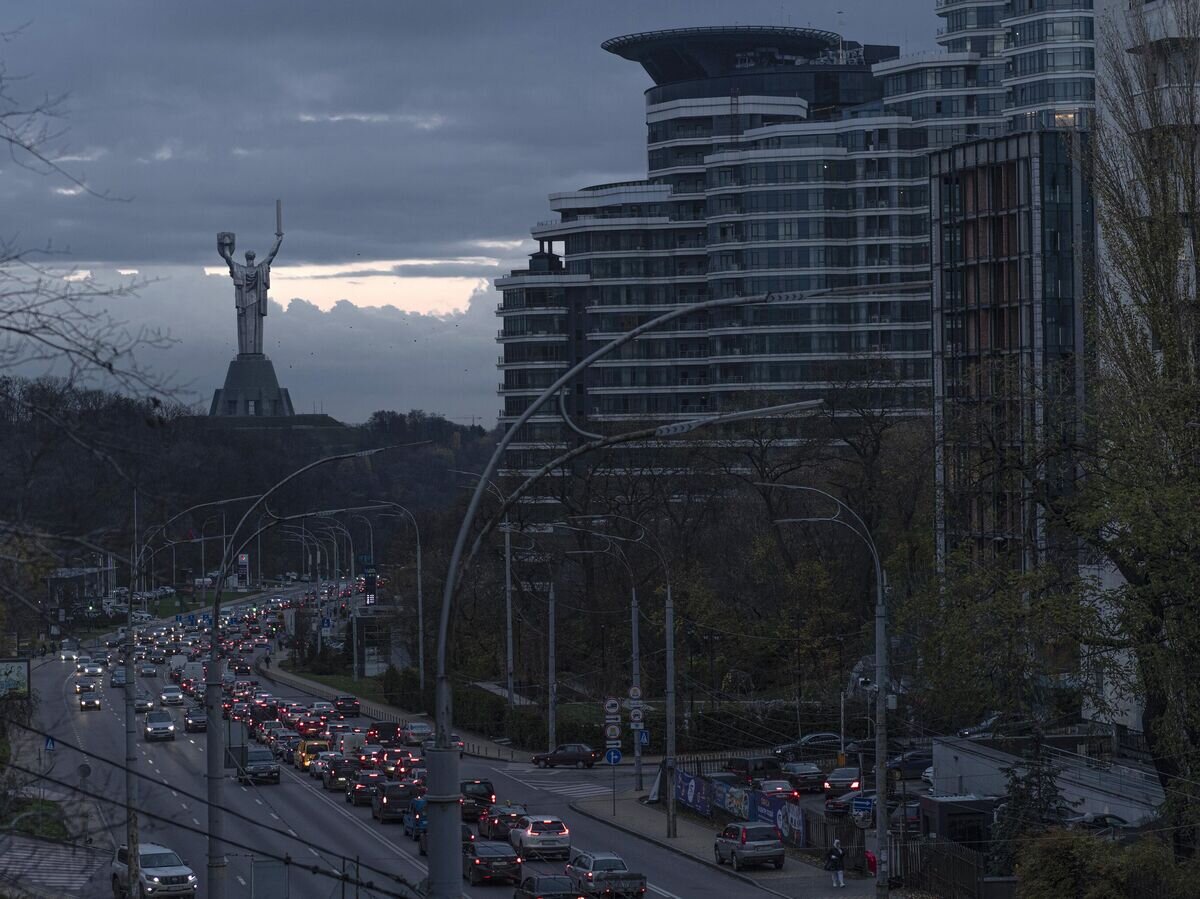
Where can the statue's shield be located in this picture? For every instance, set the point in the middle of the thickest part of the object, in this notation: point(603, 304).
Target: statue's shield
point(225, 243)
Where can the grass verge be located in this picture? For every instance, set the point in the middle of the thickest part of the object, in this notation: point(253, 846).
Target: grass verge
point(368, 688)
point(38, 818)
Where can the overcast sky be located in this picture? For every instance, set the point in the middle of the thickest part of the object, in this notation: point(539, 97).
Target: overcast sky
point(413, 145)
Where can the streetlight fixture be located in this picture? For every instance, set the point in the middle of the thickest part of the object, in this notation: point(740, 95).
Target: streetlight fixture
point(420, 591)
point(443, 825)
point(212, 694)
point(858, 527)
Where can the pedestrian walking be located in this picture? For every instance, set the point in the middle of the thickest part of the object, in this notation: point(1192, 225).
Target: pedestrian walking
point(835, 864)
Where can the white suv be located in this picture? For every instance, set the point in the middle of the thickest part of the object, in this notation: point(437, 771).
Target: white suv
point(160, 873)
point(541, 835)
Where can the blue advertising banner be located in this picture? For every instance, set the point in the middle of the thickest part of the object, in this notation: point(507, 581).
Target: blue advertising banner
point(784, 815)
point(692, 791)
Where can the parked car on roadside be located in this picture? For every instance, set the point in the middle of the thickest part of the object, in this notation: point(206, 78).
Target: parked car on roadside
point(808, 746)
point(752, 768)
point(841, 780)
point(748, 843)
point(806, 777)
point(575, 755)
point(909, 765)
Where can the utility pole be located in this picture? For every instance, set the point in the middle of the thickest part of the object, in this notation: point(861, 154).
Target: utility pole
point(131, 833)
point(552, 702)
point(637, 682)
point(508, 668)
point(881, 695)
point(354, 642)
point(420, 614)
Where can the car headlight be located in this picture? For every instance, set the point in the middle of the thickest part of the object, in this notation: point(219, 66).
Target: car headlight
point(170, 727)
point(155, 880)
point(191, 878)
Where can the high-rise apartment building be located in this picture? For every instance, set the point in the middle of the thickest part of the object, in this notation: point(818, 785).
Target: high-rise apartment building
point(779, 159)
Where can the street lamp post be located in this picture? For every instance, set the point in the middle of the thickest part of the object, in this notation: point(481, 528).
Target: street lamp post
point(420, 592)
point(212, 694)
point(859, 527)
point(445, 870)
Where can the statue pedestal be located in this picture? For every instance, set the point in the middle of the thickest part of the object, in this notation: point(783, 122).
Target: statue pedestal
point(251, 389)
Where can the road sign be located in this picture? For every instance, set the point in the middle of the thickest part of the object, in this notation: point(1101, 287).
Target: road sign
point(644, 738)
point(637, 725)
point(612, 706)
point(861, 805)
point(50, 744)
point(613, 756)
point(179, 619)
point(191, 619)
point(636, 715)
point(612, 732)
point(635, 693)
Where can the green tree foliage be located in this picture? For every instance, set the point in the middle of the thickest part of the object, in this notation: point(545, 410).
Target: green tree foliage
point(1064, 864)
point(1032, 806)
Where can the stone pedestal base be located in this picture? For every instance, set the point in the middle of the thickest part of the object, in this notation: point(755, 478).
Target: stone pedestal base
point(251, 389)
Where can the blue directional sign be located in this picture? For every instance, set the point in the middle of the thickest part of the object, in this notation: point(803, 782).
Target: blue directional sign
point(191, 619)
point(326, 622)
point(644, 737)
point(861, 805)
point(613, 756)
point(178, 619)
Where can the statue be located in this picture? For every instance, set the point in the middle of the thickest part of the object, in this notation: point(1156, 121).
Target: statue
point(250, 283)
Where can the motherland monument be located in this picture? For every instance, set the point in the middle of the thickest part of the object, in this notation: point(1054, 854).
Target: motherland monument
point(251, 387)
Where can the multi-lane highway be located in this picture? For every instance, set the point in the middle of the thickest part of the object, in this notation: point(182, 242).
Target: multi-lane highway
point(298, 820)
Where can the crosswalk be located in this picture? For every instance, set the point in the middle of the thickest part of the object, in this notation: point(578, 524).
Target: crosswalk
point(552, 781)
point(48, 865)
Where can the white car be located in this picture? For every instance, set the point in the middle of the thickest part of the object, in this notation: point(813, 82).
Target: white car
point(927, 776)
point(171, 695)
point(541, 835)
point(160, 871)
point(68, 655)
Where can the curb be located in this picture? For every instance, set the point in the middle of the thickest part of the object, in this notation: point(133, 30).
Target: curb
point(663, 844)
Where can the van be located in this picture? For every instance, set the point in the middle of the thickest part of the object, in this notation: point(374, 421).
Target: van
point(751, 768)
point(350, 744)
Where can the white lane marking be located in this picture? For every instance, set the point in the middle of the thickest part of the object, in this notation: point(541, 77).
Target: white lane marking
point(184, 804)
point(194, 821)
point(314, 852)
point(239, 880)
point(259, 801)
point(660, 891)
point(292, 832)
point(275, 816)
point(244, 790)
point(173, 793)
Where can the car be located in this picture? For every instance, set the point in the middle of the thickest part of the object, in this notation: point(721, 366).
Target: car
point(385, 733)
point(306, 751)
point(540, 835)
point(749, 843)
point(323, 709)
point(392, 799)
point(456, 742)
point(259, 766)
point(995, 724)
point(143, 702)
point(284, 744)
point(927, 776)
point(840, 780)
point(909, 765)
point(416, 732)
point(68, 655)
point(547, 886)
point(159, 725)
point(84, 685)
point(604, 874)
point(147, 670)
point(318, 765)
point(809, 746)
point(363, 785)
point(347, 705)
point(194, 719)
point(263, 732)
point(338, 774)
point(160, 873)
point(576, 755)
point(491, 863)
point(807, 777)
point(782, 788)
point(117, 678)
point(171, 695)
point(477, 797)
point(752, 768)
point(468, 836)
point(309, 725)
point(92, 669)
point(415, 819)
point(370, 756)
point(89, 701)
point(499, 820)
point(841, 804)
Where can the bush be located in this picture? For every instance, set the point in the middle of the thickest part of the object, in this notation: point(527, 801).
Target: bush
point(1063, 864)
point(393, 687)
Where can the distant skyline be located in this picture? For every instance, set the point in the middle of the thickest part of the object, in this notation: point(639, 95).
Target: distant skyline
point(412, 145)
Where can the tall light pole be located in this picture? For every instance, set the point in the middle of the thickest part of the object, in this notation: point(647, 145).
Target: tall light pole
point(370, 534)
point(420, 591)
point(506, 527)
point(215, 747)
point(636, 656)
point(445, 870)
point(858, 527)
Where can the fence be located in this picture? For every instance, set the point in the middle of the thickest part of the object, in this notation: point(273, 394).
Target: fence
point(946, 869)
point(820, 831)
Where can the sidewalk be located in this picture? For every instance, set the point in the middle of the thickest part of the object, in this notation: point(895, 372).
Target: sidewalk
point(695, 840)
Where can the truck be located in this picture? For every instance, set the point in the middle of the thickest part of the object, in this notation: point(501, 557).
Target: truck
point(604, 874)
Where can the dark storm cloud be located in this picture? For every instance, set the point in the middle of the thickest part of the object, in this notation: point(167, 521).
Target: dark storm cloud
point(392, 130)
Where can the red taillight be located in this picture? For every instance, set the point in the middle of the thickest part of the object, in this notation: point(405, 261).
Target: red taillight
point(827, 786)
point(778, 835)
point(743, 838)
point(854, 786)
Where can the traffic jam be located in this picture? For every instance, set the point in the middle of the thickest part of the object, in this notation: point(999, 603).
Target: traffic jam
point(331, 747)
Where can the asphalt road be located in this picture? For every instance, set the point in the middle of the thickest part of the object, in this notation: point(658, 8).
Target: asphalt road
point(300, 821)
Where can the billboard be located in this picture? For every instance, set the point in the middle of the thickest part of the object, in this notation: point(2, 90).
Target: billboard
point(14, 678)
point(692, 790)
